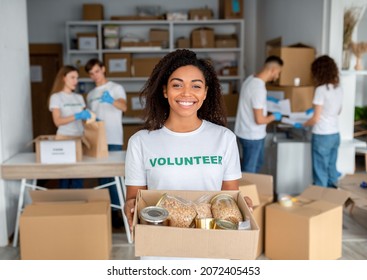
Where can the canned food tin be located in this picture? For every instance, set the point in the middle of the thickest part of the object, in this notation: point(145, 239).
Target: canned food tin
point(224, 224)
point(204, 223)
point(154, 215)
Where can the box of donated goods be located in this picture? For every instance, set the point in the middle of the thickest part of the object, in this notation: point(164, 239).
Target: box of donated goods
point(259, 187)
point(143, 67)
point(201, 225)
point(306, 227)
point(202, 37)
point(93, 12)
point(87, 41)
point(229, 9)
point(231, 102)
point(297, 64)
point(72, 224)
point(58, 149)
point(300, 97)
point(117, 64)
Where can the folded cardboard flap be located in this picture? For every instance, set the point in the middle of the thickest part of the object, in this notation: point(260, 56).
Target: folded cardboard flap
point(250, 190)
point(336, 196)
point(70, 195)
point(263, 182)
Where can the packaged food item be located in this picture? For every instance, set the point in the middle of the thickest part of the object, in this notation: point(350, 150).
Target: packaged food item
point(224, 207)
point(224, 224)
point(204, 223)
point(203, 207)
point(181, 212)
point(154, 215)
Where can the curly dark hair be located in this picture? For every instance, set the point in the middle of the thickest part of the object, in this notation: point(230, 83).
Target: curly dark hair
point(325, 71)
point(157, 109)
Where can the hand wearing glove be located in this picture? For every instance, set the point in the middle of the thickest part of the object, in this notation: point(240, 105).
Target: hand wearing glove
point(298, 125)
point(272, 99)
point(309, 111)
point(107, 98)
point(83, 115)
point(277, 116)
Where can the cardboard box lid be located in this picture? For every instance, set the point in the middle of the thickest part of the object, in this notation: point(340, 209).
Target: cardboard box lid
point(264, 182)
point(65, 209)
point(57, 195)
point(249, 189)
point(336, 196)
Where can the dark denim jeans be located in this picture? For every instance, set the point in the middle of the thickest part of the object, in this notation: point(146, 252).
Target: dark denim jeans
point(112, 189)
point(71, 183)
point(252, 155)
point(324, 156)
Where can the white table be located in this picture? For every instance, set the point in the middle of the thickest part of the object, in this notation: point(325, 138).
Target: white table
point(24, 167)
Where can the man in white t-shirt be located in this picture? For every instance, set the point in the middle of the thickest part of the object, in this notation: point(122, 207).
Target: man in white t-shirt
point(108, 101)
point(252, 116)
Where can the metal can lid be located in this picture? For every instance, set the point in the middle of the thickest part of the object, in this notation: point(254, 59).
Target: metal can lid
point(154, 214)
point(224, 224)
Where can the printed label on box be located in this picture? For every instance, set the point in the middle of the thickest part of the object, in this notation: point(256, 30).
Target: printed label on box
point(136, 104)
point(58, 151)
point(87, 43)
point(117, 65)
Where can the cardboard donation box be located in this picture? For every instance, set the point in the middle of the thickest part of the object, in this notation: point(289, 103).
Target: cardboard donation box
point(94, 139)
point(297, 64)
point(134, 105)
point(231, 102)
point(309, 229)
point(92, 12)
point(160, 36)
point(58, 149)
point(117, 64)
point(202, 37)
point(87, 41)
point(143, 67)
point(229, 9)
point(226, 41)
point(259, 188)
point(169, 241)
point(300, 97)
point(201, 14)
point(70, 224)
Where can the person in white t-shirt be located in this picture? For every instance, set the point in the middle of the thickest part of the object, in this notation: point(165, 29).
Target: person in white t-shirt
point(68, 111)
point(327, 105)
point(184, 144)
point(252, 116)
point(108, 101)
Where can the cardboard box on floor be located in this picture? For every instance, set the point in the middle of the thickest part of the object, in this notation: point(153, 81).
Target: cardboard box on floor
point(311, 229)
point(297, 64)
point(192, 242)
point(259, 187)
point(300, 97)
point(66, 225)
point(358, 196)
point(58, 149)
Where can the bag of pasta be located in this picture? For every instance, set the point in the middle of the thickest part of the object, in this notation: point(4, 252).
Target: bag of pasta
point(203, 207)
point(181, 212)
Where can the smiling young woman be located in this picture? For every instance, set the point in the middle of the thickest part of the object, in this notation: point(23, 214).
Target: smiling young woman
point(184, 144)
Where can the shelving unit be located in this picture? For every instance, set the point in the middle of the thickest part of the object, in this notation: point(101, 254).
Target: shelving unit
point(140, 28)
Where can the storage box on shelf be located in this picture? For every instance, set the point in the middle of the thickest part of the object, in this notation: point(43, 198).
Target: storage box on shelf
point(155, 38)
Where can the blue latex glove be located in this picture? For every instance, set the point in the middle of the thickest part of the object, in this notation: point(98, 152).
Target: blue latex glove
point(83, 115)
point(309, 111)
point(272, 99)
point(107, 98)
point(298, 125)
point(277, 116)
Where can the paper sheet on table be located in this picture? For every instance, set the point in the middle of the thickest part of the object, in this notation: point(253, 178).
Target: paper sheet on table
point(283, 106)
point(276, 93)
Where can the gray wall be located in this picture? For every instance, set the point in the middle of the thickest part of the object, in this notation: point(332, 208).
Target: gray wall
point(15, 102)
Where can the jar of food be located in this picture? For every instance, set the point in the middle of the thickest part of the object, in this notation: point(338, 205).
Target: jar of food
point(153, 215)
point(224, 207)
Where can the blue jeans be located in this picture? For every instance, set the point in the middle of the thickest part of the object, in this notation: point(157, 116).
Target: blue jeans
point(113, 188)
point(252, 155)
point(71, 183)
point(324, 156)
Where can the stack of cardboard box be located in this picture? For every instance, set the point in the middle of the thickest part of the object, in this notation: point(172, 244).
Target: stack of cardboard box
point(295, 79)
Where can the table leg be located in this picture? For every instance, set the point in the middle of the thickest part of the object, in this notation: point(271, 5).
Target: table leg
point(122, 203)
point(19, 211)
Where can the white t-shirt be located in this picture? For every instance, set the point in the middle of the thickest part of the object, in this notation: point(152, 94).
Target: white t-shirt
point(69, 104)
point(107, 112)
point(252, 96)
point(197, 160)
point(331, 101)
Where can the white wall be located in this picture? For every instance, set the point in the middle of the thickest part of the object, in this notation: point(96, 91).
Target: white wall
point(15, 101)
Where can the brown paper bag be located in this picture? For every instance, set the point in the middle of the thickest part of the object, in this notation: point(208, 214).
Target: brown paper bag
point(94, 140)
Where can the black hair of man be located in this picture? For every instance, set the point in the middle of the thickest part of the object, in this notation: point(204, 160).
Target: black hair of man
point(274, 59)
